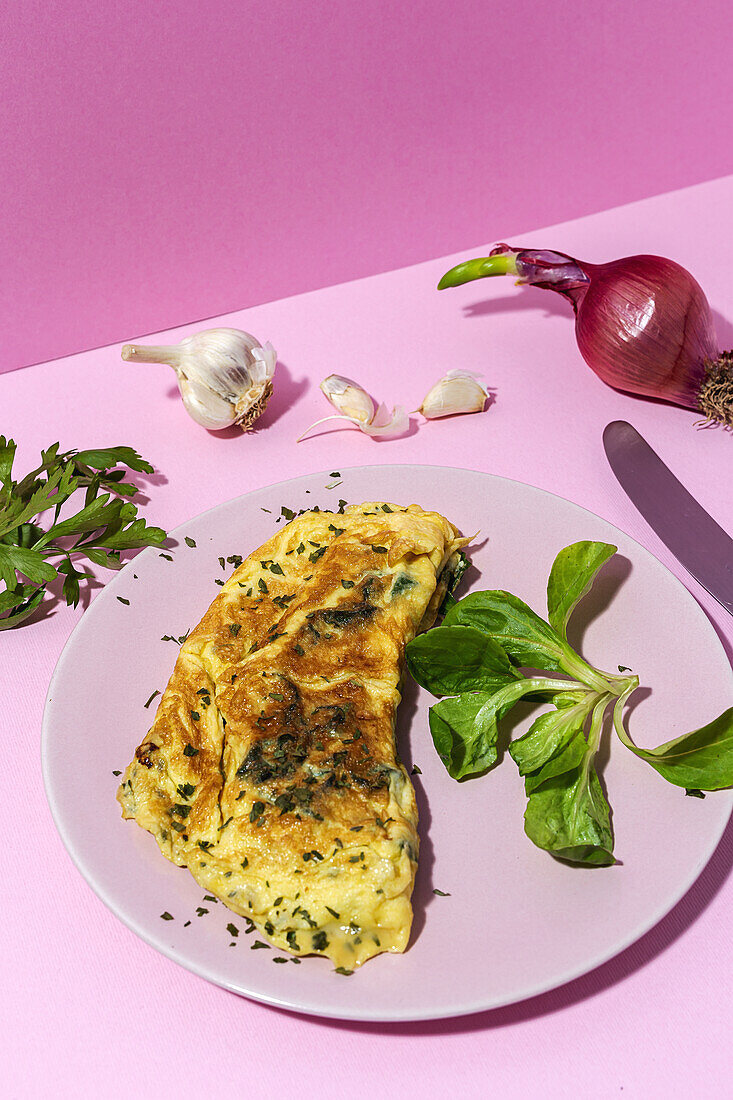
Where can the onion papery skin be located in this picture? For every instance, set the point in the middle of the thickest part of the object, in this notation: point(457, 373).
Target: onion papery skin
point(644, 325)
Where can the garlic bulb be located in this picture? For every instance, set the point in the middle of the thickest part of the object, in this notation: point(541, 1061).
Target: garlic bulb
point(355, 404)
point(224, 375)
point(458, 391)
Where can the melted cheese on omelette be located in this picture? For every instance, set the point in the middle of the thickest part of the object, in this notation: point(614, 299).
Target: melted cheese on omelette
point(270, 770)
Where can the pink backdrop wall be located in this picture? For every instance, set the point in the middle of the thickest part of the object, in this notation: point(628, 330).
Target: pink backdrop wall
point(166, 162)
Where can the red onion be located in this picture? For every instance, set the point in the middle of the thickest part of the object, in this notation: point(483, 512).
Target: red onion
point(643, 324)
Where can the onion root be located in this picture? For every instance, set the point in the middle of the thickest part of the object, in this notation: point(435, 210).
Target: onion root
point(715, 399)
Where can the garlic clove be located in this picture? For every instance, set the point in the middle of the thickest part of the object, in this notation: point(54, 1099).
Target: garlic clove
point(224, 375)
point(458, 391)
point(349, 398)
point(205, 406)
point(383, 424)
point(356, 406)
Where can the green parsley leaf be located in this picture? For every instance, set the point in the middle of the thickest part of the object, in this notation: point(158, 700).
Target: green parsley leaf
point(103, 526)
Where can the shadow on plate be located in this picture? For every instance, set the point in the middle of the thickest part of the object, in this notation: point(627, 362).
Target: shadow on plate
point(423, 892)
point(638, 955)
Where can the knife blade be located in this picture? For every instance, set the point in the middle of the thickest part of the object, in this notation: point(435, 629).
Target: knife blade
point(693, 536)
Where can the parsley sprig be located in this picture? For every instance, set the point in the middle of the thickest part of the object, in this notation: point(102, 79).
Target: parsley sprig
point(107, 523)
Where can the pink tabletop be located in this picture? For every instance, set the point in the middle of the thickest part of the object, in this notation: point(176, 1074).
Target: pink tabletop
point(89, 1008)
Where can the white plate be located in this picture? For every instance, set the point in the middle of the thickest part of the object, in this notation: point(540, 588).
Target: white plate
point(516, 922)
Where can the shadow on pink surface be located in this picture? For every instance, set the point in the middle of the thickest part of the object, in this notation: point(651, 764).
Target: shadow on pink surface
point(723, 330)
point(531, 300)
point(726, 644)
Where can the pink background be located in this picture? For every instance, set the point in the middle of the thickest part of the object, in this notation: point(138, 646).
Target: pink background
point(167, 162)
point(90, 1010)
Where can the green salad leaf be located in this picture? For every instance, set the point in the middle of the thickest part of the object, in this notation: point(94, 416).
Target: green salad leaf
point(464, 728)
point(548, 736)
point(571, 577)
point(475, 660)
point(570, 817)
point(525, 637)
point(569, 756)
point(567, 813)
point(528, 640)
point(452, 659)
point(464, 733)
point(701, 760)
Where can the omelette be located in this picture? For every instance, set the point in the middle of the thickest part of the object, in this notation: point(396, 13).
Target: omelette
point(270, 770)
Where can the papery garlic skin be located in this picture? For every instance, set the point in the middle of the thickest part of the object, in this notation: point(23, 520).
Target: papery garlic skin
point(224, 375)
point(385, 424)
point(348, 397)
point(252, 404)
point(458, 391)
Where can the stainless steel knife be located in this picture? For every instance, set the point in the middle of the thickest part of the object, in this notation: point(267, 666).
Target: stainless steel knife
point(695, 539)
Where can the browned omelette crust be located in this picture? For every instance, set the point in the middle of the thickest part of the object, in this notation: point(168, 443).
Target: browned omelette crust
point(270, 769)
